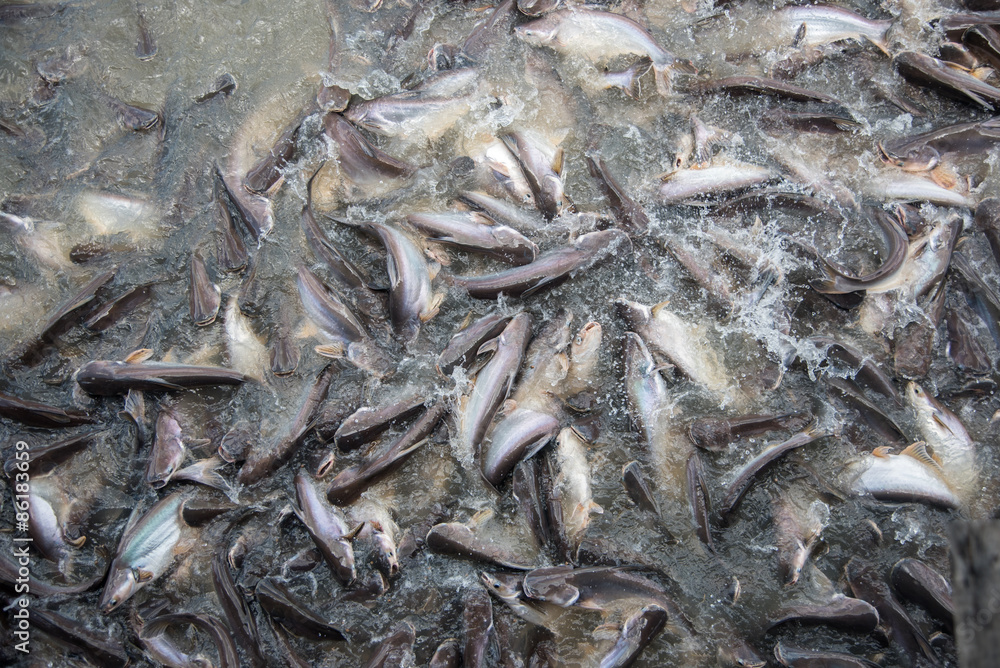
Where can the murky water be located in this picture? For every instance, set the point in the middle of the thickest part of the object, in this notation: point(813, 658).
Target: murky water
point(146, 199)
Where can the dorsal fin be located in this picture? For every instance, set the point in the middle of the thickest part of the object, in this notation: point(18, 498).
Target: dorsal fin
point(139, 356)
point(923, 454)
point(882, 451)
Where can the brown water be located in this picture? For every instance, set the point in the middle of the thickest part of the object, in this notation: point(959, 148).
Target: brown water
point(76, 165)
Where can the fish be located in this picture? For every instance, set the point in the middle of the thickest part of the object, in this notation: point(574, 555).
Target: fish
point(593, 588)
point(684, 184)
point(911, 476)
point(548, 270)
point(366, 423)
point(925, 151)
point(327, 528)
point(104, 377)
point(508, 588)
point(947, 437)
point(37, 414)
point(153, 634)
point(458, 539)
point(630, 215)
point(477, 618)
point(265, 177)
point(517, 436)
point(225, 85)
point(598, 35)
point(284, 608)
point(742, 85)
point(493, 382)
point(236, 610)
point(396, 649)
point(205, 297)
point(246, 352)
point(897, 245)
point(145, 550)
point(797, 529)
point(412, 113)
point(842, 611)
point(542, 166)
point(133, 117)
point(717, 434)
point(915, 580)
point(99, 647)
point(639, 630)
point(987, 221)
point(362, 163)
point(475, 232)
point(794, 656)
point(463, 347)
point(169, 450)
point(924, 70)
point(145, 47)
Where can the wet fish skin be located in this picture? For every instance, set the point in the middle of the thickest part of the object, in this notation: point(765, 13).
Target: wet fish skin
point(362, 162)
point(867, 372)
point(103, 377)
point(168, 451)
point(36, 414)
point(256, 213)
point(800, 657)
point(924, 152)
point(145, 48)
point(911, 476)
point(920, 583)
point(327, 528)
point(697, 493)
point(494, 381)
point(594, 34)
point(266, 176)
point(508, 588)
point(548, 270)
point(843, 281)
point(343, 270)
point(987, 221)
point(928, 71)
point(231, 251)
point(964, 348)
point(573, 483)
point(224, 85)
point(447, 655)
point(98, 647)
point(409, 112)
point(842, 611)
point(205, 296)
point(637, 633)
point(464, 345)
point(738, 85)
point(350, 482)
point(281, 606)
point(526, 488)
point(456, 538)
point(113, 311)
point(544, 172)
point(946, 435)
point(133, 117)
point(37, 457)
point(217, 631)
point(475, 232)
point(592, 588)
point(395, 651)
point(236, 610)
point(145, 551)
point(630, 215)
point(716, 434)
point(477, 617)
point(744, 479)
point(686, 184)
point(366, 423)
point(518, 436)
point(866, 584)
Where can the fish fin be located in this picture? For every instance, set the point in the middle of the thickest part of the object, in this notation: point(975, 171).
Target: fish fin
point(982, 73)
point(557, 162)
point(882, 451)
point(138, 356)
point(465, 323)
point(656, 308)
point(390, 263)
point(440, 260)
point(480, 518)
point(944, 177)
point(434, 307)
point(353, 533)
point(142, 575)
point(541, 285)
point(977, 99)
point(922, 454)
point(489, 346)
point(332, 350)
point(879, 44)
point(507, 407)
point(800, 36)
point(662, 76)
point(511, 143)
point(76, 542)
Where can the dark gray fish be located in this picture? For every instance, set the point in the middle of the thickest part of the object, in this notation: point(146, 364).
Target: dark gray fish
point(717, 434)
point(219, 633)
point(866, 584)
point(508, 588)
point(256, 212)
point(987, 220)
point(550, 268)
point(362, 162)
point(637, 487)
point(925, 151)
point(964, 348)
point(145, 48)
point(744, 85)
point(874, 416)
point(463, 347)
point(395, 651)
point(984, 40)
point(281, 606)
point(33, 458)
point(927, 71)
point(491, 31)
point(865, 369)
point(630, 216)
point(527, 490)
point(265, 177)
point(205, 296)
point(236, 610)
point(697, 494)
point(61, 317)
point(518, 436)
point(230, 249)
point(842, 612)
point(268, 457)
point(366, 423)
point(799, 657)
point(477, 618)
point(748, 473)
point(16, 12)
point(284, 352)
point(349, 483)
point(104, 377)
point(342, 269)
point(224, 85)
point(843, 281)
point(918, 582)
point(116, 309)
point(592, 588)
point(133, 117)
point(639, 630)
point(35, 414)
point(328, 529)
point(10, 577)
point(475, 232)
point(503, 211)
point(99, 647)
point(457, 539)
point(447, 655)
point(169, 451)
point(809, 121)
point(494, 381)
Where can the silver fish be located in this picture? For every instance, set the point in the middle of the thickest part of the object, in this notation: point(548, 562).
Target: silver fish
point(327, 527)
point(475, 232)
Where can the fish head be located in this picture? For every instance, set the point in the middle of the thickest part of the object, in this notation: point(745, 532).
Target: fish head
point(587, 340)
point(919, 159)
point(503, 585)
point(368, 357)
point(537, 33)
point(121, 585)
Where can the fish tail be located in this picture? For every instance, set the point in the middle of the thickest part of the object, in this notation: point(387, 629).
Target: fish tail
point(663, 75)
point(881, 43)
